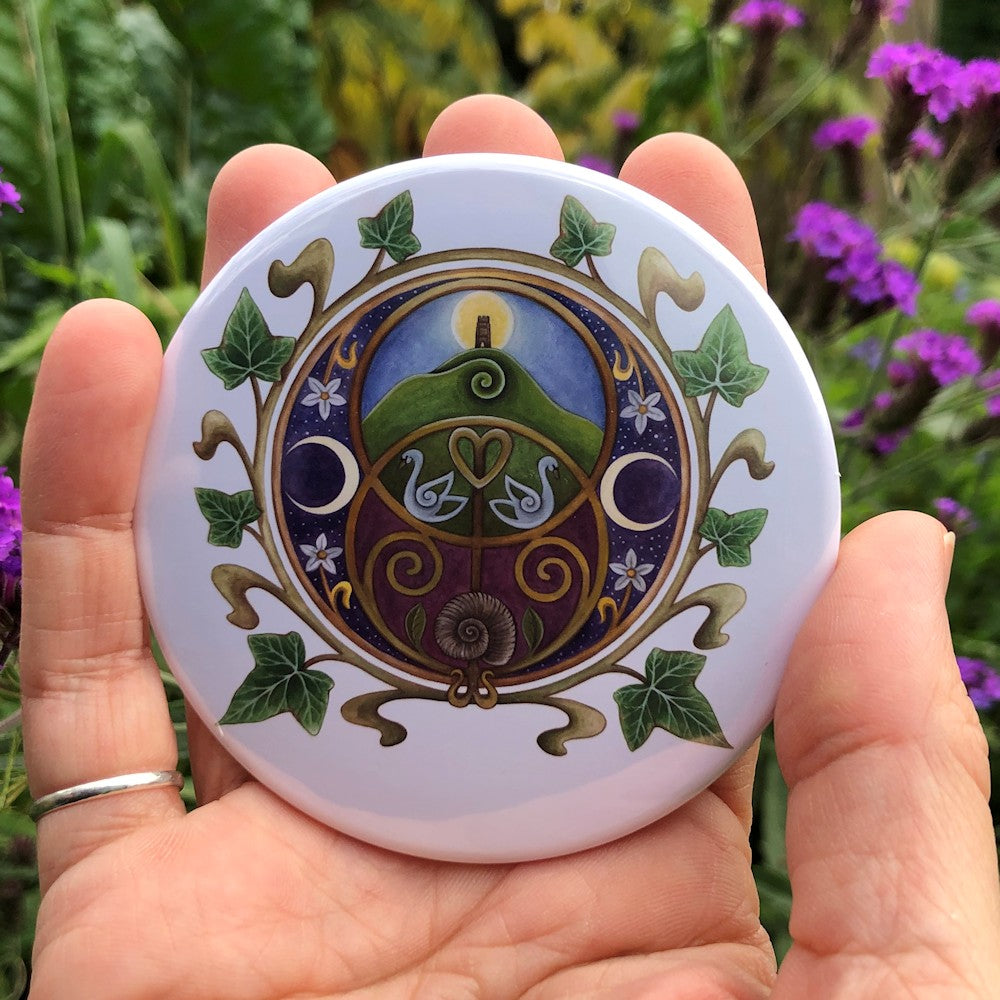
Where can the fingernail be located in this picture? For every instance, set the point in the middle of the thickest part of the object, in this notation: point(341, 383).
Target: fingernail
point(949, 555)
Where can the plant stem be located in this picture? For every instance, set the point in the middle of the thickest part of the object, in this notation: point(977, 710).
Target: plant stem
point(783, 110)
point(11, 722)
point(718, 99)
point(897, 321)
point(8, 774)
point(35, 64)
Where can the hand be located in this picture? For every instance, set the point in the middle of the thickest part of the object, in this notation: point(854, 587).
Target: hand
point(890, 843)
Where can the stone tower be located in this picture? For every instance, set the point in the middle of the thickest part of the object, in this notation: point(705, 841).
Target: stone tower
point(483, 338)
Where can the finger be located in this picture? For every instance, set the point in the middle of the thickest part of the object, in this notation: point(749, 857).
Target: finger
point(890, 841)
point(93, 701)
point(489, 123)
point(253, 189)
point(699, 180)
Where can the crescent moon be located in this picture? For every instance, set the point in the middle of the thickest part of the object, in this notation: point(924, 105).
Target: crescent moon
point(608, 491)
point(352, 475)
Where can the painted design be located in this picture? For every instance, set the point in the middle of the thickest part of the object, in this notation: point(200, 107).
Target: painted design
point(474, 481)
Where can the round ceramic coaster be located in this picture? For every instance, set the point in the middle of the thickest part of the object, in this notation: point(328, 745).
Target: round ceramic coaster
point(484, 499)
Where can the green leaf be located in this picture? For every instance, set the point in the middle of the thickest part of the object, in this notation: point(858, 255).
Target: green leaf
point(580, 234)
point(280, 683)
point(227, 514)
point(669, 700)
point(732, 534)
point(392, 229)
point(721, 363)
point(416, 622)
point(247, 347)
point(533, 628)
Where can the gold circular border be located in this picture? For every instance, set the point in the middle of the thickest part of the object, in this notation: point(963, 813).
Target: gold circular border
point(487, 278)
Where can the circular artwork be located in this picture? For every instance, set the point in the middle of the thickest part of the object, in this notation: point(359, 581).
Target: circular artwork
point(453, 504)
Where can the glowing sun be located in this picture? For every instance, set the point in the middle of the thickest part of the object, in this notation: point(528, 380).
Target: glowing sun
point(481, 303)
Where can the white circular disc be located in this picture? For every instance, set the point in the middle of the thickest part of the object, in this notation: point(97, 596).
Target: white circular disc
point(484, 498)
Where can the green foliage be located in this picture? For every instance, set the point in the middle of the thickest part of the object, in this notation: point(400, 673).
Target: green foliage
point(721, 363)
point(732, 534)
point(580, 234)
point(280, 682)
point(668, 699)
point(391, 229)
point(248, 348)
point(227, 514)
point(532, 628)
point(415, 624)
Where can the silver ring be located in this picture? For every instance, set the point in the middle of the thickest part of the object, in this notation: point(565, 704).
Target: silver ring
point(104, 786)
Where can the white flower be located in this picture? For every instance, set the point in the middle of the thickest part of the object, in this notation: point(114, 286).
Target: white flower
point(325, 396)
point(630, 572)
point(320, 555)
point(643, 409)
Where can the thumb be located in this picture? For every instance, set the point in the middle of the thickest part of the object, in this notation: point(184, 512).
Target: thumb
point(891, 849)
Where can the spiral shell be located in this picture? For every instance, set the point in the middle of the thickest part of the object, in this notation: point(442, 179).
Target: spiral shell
point(476, 626)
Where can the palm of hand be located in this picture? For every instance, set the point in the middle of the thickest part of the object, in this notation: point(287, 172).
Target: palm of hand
point(247, 898)
point(251, 900)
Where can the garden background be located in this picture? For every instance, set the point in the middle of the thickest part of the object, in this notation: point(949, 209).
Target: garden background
point(871, 156)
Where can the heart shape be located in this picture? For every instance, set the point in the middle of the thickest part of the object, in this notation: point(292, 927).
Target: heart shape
point(479, 475)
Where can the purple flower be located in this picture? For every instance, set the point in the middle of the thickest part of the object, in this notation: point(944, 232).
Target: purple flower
point(598, 163)
point(948, 357)
point(853, 420)
point(891, 10)
point(625, 121)
point(900, 373)
point(10, 564)
point(886, 444)
point(990, 380)
point(981, 681)
point(977, 82)
point(985, 314)
point(868, 351)
point(895, 10)
point(924, 143)
point(831, 233)
point(873, 284)
point(954, 516)
point(772, 16)
point(9, 195)
point(854, 131)
point(914, 68)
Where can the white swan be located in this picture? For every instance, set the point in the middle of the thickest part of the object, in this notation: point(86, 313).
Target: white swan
point(425, 502)
point(528, 508)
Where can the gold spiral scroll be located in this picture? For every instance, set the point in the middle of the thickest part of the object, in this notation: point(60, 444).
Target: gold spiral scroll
point(544, 570)
point(413, 564)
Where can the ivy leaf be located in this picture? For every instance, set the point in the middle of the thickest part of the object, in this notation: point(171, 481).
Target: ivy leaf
point(721, 362)
point(732, 534)
point(415, 623)
point(669, 700)
point(580, 234)
point(533, 628)
point(247, 347)
point(227, 514)
point(280, 683)
point(392, 229)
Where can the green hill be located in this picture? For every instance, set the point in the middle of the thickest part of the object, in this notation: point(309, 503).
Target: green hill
point(482, 383)
point(448, 392)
